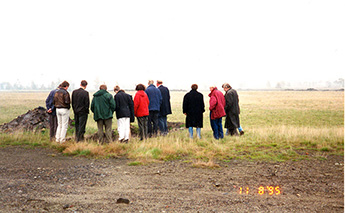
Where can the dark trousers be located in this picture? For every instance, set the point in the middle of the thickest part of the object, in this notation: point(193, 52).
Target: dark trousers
point(142, 124)
point(52, 126)
point(153, 123)
point(80, 124)
point(163, 124)
point(217, 128)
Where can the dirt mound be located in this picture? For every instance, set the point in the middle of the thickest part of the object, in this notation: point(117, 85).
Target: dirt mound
point(33, 120)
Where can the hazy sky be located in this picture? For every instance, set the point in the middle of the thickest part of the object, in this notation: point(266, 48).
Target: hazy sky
point(243, 42)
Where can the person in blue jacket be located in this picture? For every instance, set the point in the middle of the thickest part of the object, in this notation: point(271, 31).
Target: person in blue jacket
point(155, 98)
point(51, 110)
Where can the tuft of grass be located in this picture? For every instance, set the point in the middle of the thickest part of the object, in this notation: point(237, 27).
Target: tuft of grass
point(208, 164)
point(134, 163)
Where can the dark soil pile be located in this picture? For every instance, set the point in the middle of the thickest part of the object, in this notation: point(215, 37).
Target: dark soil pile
point(33, 120)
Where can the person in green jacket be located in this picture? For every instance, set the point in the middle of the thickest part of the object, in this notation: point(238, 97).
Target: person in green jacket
point(103, 107)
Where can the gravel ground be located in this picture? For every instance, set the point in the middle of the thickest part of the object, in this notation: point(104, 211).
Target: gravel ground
point(43, 180)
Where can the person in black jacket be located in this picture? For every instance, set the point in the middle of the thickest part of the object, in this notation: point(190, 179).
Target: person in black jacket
point(165, 108)
point(124, 113)
point(80, 105)
point(193, 107)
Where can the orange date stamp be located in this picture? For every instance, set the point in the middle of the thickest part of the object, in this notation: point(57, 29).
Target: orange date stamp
point(261, 190)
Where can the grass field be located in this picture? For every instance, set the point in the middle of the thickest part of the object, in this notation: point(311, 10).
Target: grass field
point(278, 125)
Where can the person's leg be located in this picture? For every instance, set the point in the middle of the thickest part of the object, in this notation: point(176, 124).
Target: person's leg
point(161, 124)
point(155, 123)
point(82, 126)
point(165, 125)
point(241, 130)
point(127, 128)
point(59, 125)
point(108, 128)
point(121, 129)
point(198, 132)
point(145, 126)
point(190, 130)
point(55, 124)
point(214, 127)
point(220, 128)
point(141, 127)
point(100, 124)
point(233, 132)
point(77, 127)
point(149, 123)
point(65, 120)
point(52, 126)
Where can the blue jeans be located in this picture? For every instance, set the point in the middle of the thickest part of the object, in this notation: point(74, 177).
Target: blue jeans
point(217, 128)
point(198, 132)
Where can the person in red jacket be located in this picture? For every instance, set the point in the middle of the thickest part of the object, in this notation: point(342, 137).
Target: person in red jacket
point(141, 110)
point(217, 104)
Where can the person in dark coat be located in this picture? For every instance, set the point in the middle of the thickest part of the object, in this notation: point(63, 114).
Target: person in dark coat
point(80, 105)
point(155, 98)
point(165, 108)
point(232, 110)
point(193, 107)
point(124, 113)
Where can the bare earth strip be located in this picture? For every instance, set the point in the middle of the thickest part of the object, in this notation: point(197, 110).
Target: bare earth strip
point(43, 180)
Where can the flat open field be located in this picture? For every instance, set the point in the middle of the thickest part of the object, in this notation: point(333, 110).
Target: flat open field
point(293, 148)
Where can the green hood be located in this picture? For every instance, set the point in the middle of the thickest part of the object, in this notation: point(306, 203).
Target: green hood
point(103, 105)
point(100, 92)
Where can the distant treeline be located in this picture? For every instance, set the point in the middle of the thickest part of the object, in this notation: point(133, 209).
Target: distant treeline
point(32, 87)
point(281, 85)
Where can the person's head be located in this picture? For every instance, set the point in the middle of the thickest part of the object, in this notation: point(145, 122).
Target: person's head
point(65, 85)
point(226, 86)
point(150, 82)
point(159, 82)
point(116, 88)
point(194, 86)
point(83, 84)
point(103, 86)
point(140, 87)
point(212, 88)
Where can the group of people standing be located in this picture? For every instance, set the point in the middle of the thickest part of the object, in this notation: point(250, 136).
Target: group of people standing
point(151, 106)
point(58, 105)
point(220, 106)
